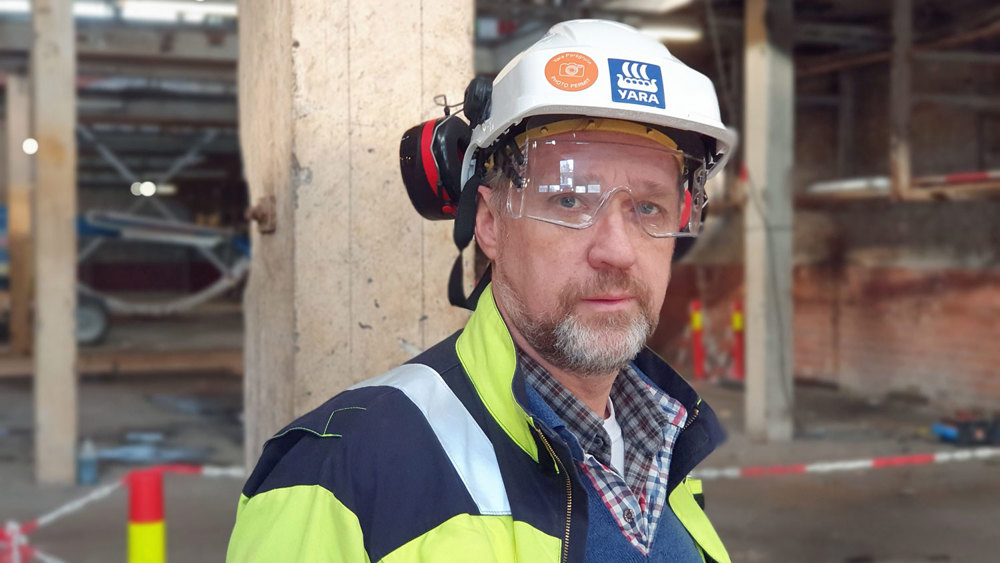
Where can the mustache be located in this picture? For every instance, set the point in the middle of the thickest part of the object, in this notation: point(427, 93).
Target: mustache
point(606, 281)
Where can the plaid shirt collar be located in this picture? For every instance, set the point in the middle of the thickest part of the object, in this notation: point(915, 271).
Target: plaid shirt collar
point(583, 423)
point(641, 410)
point(650, 421)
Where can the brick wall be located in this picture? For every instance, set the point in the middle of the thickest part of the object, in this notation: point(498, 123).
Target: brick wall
point(933, 333)
point(928, 333)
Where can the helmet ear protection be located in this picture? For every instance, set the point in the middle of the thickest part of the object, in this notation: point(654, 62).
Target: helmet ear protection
point(430, 160)
point(478, 100)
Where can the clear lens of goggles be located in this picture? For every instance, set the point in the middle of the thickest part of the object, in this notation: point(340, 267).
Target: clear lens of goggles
point(572, 183)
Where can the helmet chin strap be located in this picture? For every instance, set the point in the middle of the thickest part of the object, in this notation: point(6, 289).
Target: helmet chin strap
point(465, 229)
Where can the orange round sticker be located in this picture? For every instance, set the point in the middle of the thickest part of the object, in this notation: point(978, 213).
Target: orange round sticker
point(571, 71)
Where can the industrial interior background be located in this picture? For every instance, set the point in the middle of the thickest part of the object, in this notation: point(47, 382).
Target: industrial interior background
point(841, 305)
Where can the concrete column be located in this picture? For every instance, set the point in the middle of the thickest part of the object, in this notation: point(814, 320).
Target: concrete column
point(351, 281)
point(769, 102)
point(900, 169)
point(53, 73)
point(19, 172)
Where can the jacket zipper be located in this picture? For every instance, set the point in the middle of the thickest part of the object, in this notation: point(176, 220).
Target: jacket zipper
point(569, 495)
point(690, 420)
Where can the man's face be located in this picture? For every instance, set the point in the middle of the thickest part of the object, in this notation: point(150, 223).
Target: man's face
point(586, 300)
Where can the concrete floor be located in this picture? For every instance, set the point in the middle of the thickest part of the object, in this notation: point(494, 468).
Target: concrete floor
point(918, 514)
point(200, 511)
point(947, 512)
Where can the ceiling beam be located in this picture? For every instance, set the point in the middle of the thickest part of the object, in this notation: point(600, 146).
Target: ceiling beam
point(827, 65)
point(973, 102)
point(969, 57)
point(857, 36)
point(158, 112)
point(160, 144)
point(116, 45)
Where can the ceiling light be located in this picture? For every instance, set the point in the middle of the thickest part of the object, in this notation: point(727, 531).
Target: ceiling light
point(672, 33)
point(647, 6)
point(166, 189)
point(93, 10)
point(15, 6)
point(173, 10)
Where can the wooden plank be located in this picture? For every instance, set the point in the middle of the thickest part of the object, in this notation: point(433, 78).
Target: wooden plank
point(900, 105)
point(19, 239)
point(971, 190)
point(927, 192)
point(133, 362)
point(54, 109)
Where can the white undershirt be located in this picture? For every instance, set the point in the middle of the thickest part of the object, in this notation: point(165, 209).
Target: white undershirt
point(614, 431)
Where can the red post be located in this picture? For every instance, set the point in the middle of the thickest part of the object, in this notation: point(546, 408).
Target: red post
point(147, 541)
point(697, 343)
point(14, 546)
point(738, 352)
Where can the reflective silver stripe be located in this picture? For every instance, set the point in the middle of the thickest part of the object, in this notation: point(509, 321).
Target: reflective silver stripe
point(468, 448)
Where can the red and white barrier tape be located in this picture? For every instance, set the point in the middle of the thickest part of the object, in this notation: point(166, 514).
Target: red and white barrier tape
point(46, 558)
point(973, 454)
point(14, 537)
point(960, 177)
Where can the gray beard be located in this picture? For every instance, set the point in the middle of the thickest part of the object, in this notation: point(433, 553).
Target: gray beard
point(595, 351)
point(600, 347)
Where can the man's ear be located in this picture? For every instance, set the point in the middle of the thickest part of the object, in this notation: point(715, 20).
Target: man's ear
point(487, 229)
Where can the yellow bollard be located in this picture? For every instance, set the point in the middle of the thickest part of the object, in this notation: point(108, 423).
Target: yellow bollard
point(147, 532)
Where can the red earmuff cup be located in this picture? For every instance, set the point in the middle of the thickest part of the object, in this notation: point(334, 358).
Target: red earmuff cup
point(686, 212)
point(427, 157)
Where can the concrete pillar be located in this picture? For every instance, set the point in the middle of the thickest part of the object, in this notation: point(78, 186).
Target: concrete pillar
point(53, 72)
point(900, 169)
point(351, 280)
point(19, 181)
point(769, 103)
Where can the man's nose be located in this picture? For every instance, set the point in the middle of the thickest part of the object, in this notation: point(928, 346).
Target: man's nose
point(614, 235)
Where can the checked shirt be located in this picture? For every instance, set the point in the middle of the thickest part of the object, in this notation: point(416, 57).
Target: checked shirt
point(650, 421)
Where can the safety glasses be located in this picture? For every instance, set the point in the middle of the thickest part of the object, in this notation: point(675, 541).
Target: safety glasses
point(574, 183)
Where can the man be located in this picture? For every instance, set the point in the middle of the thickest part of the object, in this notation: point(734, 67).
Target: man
point(544, 430)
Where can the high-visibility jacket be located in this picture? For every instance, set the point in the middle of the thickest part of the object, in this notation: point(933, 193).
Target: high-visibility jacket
point(437, 460)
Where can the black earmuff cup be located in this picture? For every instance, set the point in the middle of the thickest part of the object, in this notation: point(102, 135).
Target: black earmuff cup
point(430, 162)
point(451, 139)
point(411, 166)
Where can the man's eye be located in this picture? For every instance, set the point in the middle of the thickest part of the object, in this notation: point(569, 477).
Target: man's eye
point(647, 208)
point(569, 202)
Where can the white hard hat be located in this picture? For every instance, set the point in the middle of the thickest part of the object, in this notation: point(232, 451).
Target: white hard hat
point(602, 69)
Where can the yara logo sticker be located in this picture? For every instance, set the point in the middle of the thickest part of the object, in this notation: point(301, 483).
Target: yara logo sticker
point(636, 78)
point(638, 83)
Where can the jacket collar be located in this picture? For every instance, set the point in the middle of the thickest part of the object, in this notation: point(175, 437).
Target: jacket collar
point(486, 351)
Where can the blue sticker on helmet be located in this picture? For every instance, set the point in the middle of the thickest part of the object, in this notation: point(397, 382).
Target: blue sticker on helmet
point(635, 82)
